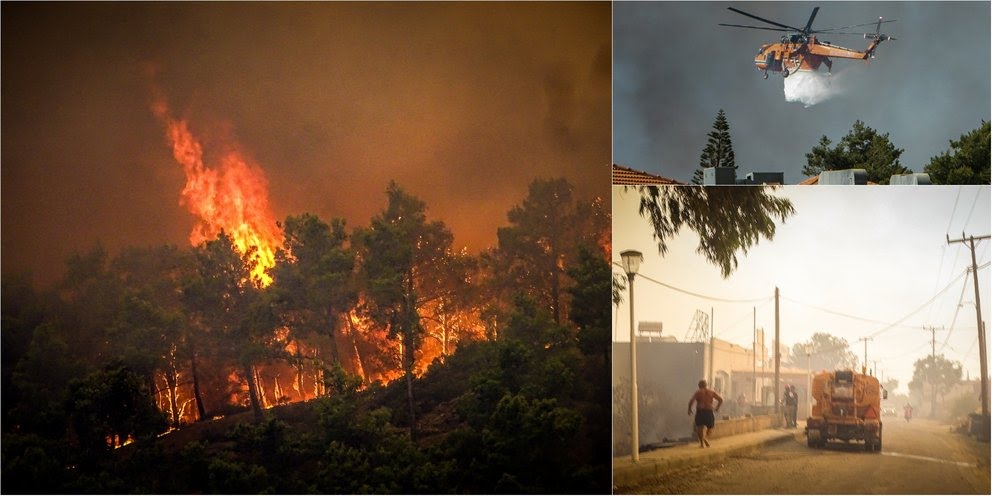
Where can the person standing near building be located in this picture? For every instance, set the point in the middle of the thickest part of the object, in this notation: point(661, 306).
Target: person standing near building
point(705, 412)
point(791, 405)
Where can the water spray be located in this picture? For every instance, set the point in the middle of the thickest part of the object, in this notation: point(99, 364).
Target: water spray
point(811, 88)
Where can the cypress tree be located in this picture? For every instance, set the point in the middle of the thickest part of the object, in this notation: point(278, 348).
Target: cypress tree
point(719, 151)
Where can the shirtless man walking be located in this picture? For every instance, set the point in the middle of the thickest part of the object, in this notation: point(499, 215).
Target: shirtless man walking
point(705, 419)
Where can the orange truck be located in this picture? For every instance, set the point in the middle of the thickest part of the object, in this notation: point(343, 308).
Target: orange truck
point(847, 407)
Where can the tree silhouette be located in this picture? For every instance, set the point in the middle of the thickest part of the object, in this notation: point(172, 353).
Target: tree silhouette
point(861, 148)
point(151, 329)
point(592, 288)
point(235, 312)
point(967, 162)
point(827, 352)
point(719, 151)
point(545, 232)
point(313, 284)
point(935, 372)
point(728, 220)
point(398, 249)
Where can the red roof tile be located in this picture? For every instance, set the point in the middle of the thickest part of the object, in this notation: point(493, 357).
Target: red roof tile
point(630, 177)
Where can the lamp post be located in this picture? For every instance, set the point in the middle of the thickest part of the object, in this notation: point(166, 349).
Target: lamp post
point(631, 262)
point(809, 373)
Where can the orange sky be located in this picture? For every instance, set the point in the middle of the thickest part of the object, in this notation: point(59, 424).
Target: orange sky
point(463, 104)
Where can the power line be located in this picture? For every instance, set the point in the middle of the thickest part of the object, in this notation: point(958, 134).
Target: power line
point(957, 309)
point(900, 321)
point(910, 352)
point(834, 312)
point(978, 192)
point(954, 210)
point(697, 295)
point(747, 313)
point(921, 307)
point(943, 248)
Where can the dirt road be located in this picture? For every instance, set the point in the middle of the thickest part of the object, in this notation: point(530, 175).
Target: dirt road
point(919, 457)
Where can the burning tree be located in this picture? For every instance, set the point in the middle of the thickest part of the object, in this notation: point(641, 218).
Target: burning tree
point(232, 308)
point(450, 302)
point(398, 251)
point(313, 285)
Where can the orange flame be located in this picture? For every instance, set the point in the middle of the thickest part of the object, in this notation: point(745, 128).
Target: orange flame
point(230, 195)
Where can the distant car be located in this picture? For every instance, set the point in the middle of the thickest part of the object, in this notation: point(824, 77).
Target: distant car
point(889, 412)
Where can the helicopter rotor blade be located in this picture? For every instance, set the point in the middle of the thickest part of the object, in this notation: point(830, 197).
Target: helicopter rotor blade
point(840, 32)
point(755, 27)
point(809, 23)
point(773, 23)
point(831, 30)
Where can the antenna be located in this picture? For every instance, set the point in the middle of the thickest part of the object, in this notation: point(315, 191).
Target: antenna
point(699, 328)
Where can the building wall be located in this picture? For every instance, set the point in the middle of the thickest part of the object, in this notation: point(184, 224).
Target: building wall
point(734, 375)
point(667, 374)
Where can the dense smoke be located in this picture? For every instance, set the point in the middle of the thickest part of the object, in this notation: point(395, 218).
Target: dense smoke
point(810, 88)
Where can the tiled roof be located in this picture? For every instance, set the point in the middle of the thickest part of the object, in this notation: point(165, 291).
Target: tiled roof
point(630, 177)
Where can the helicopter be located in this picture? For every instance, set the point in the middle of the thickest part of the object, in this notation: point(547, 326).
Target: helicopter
point(800, 50)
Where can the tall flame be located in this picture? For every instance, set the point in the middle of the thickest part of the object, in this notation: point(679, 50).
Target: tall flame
point(230, 195)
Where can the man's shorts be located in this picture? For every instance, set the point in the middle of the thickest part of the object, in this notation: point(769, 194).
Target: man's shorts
point(705, 417)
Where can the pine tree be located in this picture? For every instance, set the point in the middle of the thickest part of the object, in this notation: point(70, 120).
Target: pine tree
point(967, 161)
point(861, 148)
point(719, 151)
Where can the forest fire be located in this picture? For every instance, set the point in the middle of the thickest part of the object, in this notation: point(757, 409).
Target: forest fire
point(227, 192)
point(230, 194)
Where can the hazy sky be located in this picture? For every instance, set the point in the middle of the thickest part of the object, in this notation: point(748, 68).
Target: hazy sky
point(675, 68)
point(463, 104)
point(874, 254)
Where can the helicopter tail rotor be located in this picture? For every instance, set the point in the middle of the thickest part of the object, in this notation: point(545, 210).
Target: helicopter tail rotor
point(877, 38)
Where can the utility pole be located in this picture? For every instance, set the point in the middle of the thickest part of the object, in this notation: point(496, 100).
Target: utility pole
point(864, 366)
point(933, 363)
point(778, 356)
point(981, 328)
point(754, 354)
point(712, 329)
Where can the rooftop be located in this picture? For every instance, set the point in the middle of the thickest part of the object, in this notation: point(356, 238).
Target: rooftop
point(630, 177)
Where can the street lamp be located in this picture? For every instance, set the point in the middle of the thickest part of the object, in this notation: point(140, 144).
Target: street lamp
point(809, 372)
point(631, 262)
